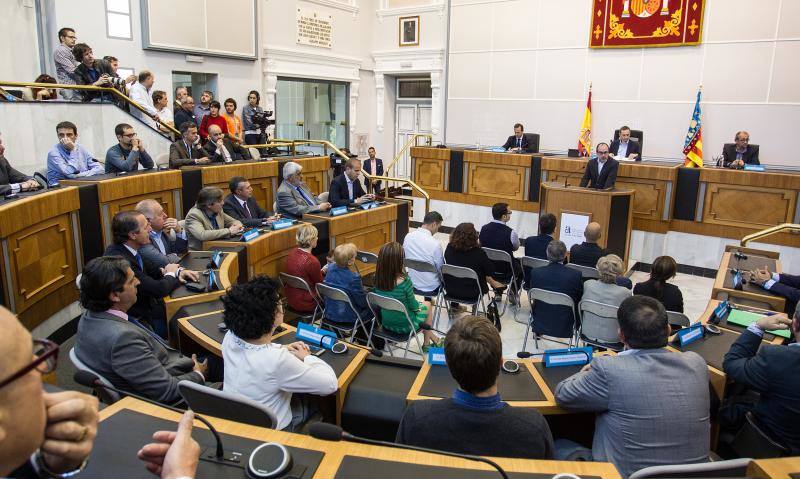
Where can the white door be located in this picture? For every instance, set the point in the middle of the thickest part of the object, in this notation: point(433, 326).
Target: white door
point(410, 119)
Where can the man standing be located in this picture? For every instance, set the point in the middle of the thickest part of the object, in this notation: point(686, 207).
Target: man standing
point(126, 155)
point(345, 188)
point(374, 166)
point(204, 108)
point(68, 159)
point(241, 205)
point(294, 196)
point(223, 150)
point(140, 93)
point(187, 150)
point(167, 237)
point(740, 153)
point(11, 180)
point(518, 143)
point(588, 252)
point(180, 94)
point(601, 172)
point(623, 148)
point(65, 63)
point(185, 112)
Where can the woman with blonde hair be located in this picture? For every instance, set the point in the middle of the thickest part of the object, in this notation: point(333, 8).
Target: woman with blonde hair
point(340, 275)
point(605, 289)
point(303, 264)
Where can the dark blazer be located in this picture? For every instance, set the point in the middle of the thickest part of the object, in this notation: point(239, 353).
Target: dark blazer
point(153, 286)
point(81, 74)
point(233, 208)
point(511, 142)
point(788, 286)
point(236, 151)
point(671, 296)
point(367, 165)
point(607, 177)
point(750, 156)
point(182, 116)
point(536, 247)
point(178, 156)
point(633, 147)
point(172, 249)
point(549, 319)
point(9, 175)
point(586, 254)
point(338, 195)
point(774, 372)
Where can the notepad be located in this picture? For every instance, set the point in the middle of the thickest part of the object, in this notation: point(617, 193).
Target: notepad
point(746, 318)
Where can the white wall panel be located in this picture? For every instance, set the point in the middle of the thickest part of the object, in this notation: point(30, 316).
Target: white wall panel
point(671, 74)
point(789, 26)
point(737, 71)
point(561, 74)
point(785, 85)
point(738, 20)
point(564, 23)
point(513, 75)
point(469, 75)
point(470, 27)
point(515, 25)
point(615, 74)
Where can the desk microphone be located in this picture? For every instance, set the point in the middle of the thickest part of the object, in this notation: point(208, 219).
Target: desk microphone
point(739, 255)
point(332, 432)
point(527, 354)
point(373, 351)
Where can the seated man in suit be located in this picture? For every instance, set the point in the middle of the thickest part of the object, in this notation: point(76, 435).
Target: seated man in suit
point(241, 205)
point(126, 155)
point(536, 246)
point(652, 404)
point(187, 150)
point(346, 189)
point(588, 252)
point(556, 320)
point(131, 231)
point(167, 238)
point(601, 172)
point(496, 234)
point(475, 420)
point(624, 148)
point(11, 180)
point(223, 150)
point(740, 153)
point(119, 347)
point(294, 196)
point(782, 284)
point(374, 166)
point(773, 372)
point(518, 143)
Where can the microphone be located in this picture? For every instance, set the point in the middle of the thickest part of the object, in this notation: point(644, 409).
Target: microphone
point(428, 327)
point(91, 380)
point(332, 432)
point(527, 354)
point(739, 255)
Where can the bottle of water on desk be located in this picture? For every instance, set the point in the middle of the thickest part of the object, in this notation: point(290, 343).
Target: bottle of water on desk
point(478, 144)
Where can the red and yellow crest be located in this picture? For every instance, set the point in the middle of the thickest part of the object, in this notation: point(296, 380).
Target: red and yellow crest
point(646, 23)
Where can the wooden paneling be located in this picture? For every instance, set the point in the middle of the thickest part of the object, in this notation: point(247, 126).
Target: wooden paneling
point(262, 190)
point(496, 181)
point(141, 185)
point(265, 254)
point(228, 273)
point(27, 211)
point(165, 198)
point(649, 200)
point(748, 206)
point(429, 174)
point(315, 173)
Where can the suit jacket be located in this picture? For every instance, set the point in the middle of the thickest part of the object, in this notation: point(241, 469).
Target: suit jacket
point(131, 358)
point(367, 164)
point(511, 142)
point(671, 296)
point(292, 203)
point(172, 248)
point(339, 195)
point(199, 227)
point(750, 156)
point(233, 208)
point(182, 116)
point(586, 254)
point(633, 147)
point(605, 179)
point(652, 405)
point(153, 286)
point(536, 247)
point(178, 156)
point(81, 74)
point(788, 286)
point(774, 372)
point(236, 151)
point(9, 175)
point(554, 320)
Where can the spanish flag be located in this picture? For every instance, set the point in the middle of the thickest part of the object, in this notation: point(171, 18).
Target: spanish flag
point(693, 147)
point(585, 136)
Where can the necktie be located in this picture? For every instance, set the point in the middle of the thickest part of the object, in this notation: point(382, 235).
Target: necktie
point(305, 196)
point(519, 142)
point(139, 260)
point(148, 331)
point(214, 222)
point(188, 150)
point(155, 239)
point(247, 210)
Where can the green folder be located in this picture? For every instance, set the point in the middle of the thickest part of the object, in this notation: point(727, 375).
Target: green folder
point(746, 318)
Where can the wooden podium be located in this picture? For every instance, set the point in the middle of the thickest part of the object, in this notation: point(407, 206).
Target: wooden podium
point(613, 209)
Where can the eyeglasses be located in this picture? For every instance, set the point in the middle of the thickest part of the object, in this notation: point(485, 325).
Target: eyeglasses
point(45, 360)
point(130, 135)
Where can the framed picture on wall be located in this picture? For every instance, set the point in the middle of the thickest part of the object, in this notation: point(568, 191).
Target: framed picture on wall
point(409, 31)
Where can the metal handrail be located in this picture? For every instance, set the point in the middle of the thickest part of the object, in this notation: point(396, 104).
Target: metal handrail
point(402, 151)
point(770, 231)
point(113, 91)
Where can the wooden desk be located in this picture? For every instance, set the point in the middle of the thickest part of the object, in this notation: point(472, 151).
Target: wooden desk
point(41, 253)
point(774, 468)
point(750, 293)
point(335, 452)
point(265, 254)
point(227, 275)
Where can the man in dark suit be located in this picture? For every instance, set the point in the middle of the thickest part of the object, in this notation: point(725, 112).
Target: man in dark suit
point(782, 284)
point(518, 143)
point(601, 172)
point(187, 150)
point(554, 320)
point(167, 239)
point(536, 246)
point(624, 148)
point(223, 150)
point(120, 348)
point(185, 112)
point(772, 371)
point(374, 166)
point(131, 231)
point(241, 205)
point(740, 153)
point(11, 180)
point(588, 252)
point(345, 188)
point(496, 234)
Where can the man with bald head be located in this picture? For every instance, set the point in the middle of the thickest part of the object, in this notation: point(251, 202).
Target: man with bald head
point(223, 150)
point(167, 239)
point(41, 434)
point(588, 252)
point(741, 152)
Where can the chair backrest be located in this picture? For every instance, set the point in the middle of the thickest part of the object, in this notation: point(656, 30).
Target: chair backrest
point(376, 301)
point(105, 395)
point(459, 272)
point(255, 154)
point(752, 441)
point(366, 257)
point(677, 319)
point(729, 468)
point(599, 321)
point(531, 262)
point(162, 160)
point(586, 271)
point(78, 281)
point(336, 294)
point(294, 282)
point(224, 405)
point(533, 141)
point(497, 255)
point(421, 266)
point(551, 297)
point(636, 135)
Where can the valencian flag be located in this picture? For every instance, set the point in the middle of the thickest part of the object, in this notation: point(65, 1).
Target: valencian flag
point(585, 137)
point(693, 148)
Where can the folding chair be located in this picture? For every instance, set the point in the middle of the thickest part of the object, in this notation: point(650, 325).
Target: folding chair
point(106, 395)
point(376, 302)
point(499, 256)
point(729, 468)
point(423, 267)
point(599, 325)
point(586, 271)
point(675, 318)
point(366, 257)
point(529, 263)
point(224, 405)
point(449, 270)
point(344, 329)
point(752, 441)
point(296, 282)
point(548, 297)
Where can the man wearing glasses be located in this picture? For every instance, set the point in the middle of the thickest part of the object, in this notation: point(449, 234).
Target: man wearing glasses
point(53, 432)
point(736, 155)
point(129, 153)
point(294, 196)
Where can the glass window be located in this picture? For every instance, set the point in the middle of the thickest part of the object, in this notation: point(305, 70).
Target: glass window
point(118, 19)
point(315, 110)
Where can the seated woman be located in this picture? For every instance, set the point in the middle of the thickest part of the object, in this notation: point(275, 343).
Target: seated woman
point(265, 372)
point(605, 290)
point(663, 269)
point(392, 281)
point(303, 264)
point(40, 94)
point(206, 221)
point(340, 276)
point(465, 250)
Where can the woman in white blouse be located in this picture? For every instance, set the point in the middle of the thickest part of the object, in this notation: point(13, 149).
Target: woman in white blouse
point(265, 372)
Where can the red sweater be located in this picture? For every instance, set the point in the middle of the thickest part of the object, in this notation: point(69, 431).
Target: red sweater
point(208, 120)
point(306, 266)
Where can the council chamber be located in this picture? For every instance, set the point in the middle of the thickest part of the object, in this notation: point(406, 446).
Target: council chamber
point(399, 238)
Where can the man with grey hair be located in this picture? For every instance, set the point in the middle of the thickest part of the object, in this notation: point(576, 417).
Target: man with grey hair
point(11, 180)
point(294, 196)
point(555, 320)
point(167, 238)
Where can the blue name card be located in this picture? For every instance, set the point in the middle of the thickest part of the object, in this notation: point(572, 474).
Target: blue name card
point(282, 223)
point(212, 281)
point(216, 259)
point(317, 337)
point(567, 357)
point(369, 205)
point(691, 334)
point(250, 235)
point(436, 357)
point(339, 210)
point(722, 309)
point(753, 167)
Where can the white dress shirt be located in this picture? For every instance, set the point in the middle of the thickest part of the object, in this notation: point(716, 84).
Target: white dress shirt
point(349, 188)
point(269, 374)
point(600, 165)
point(622, 151)
point(141, 95)
point(421, 245)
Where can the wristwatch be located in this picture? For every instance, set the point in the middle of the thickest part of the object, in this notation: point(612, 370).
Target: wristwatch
point(44, 471)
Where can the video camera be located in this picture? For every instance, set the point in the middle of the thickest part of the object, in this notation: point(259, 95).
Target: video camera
point(262, 119)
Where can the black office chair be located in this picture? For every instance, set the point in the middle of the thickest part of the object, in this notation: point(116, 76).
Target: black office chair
point(636, 135)
point(752, 441)
point(533, 141)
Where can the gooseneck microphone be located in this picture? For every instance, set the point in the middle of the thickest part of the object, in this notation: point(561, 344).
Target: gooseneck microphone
point(527, 354)
point(332, 432)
